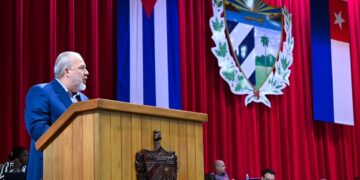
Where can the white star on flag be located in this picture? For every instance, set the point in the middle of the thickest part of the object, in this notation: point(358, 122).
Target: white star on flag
point(338, 19)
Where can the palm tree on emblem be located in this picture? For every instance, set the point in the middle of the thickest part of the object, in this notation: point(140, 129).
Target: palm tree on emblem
point(265, 43)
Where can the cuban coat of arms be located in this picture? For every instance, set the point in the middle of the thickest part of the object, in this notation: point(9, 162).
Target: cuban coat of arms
point(253, 56)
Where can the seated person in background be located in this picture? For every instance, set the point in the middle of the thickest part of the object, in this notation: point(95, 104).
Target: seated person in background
point(268, 174)
point(219, 173)
point(19, 158)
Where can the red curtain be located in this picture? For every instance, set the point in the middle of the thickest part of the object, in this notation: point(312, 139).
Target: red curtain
point(283, 137)
point(32, 33)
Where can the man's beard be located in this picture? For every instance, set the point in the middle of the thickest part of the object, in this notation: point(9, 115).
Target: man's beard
point(81, 86)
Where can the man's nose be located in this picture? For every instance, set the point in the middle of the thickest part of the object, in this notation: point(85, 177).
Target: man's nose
point(86, 72)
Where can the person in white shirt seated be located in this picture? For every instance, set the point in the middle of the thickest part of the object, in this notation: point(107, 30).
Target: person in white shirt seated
point(19, 158)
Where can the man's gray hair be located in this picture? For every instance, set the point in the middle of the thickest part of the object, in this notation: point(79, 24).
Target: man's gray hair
point(63, 62)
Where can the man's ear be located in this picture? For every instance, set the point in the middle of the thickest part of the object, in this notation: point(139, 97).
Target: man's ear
point(67, 72)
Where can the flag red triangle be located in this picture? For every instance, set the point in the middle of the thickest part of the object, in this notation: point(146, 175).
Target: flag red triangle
point(148, 6)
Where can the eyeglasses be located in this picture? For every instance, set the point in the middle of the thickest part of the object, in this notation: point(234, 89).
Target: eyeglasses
point(81, 68)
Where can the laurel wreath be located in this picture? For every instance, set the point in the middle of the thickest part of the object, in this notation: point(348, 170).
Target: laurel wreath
point(239, 85)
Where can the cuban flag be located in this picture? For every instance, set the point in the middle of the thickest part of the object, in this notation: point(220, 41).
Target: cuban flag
point(148, 53)
point(331, 63)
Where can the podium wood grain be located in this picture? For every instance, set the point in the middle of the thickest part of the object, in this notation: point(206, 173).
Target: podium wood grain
point(98, 139)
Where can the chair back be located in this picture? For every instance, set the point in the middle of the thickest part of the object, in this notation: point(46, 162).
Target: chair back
point(209, 176)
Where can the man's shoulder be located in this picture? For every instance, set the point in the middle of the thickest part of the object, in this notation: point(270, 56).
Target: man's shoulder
point(42, 89)
point(39, 86)
point(36, 89)
point(45, 86)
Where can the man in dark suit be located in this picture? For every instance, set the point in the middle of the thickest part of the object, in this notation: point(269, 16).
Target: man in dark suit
point(220, 173)
point(46, 102)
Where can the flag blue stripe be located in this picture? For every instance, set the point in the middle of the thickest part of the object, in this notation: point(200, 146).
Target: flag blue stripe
point(149, 59)
point(321, 62)
point(173, 55)
point(123, 51)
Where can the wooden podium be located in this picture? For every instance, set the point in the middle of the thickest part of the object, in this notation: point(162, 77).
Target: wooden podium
point(98, 139)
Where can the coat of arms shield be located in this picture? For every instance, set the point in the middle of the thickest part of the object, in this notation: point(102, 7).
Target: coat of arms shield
point(248, 37)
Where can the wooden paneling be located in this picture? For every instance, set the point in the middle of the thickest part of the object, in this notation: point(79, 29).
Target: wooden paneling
point(165, 133)
point(57, 158)
point(101, 143)
point(174, 135)
point(116, 148)
point(190, 135)
point(104, 144)
point(182, 154)
point(48, 162)
point(67, 152)
point(127, 165)
point(146, 133)
point(155, 124)
point(88, 146)
point(77, 148)
point(68, 116)
point(199, 152)
point(135, 140)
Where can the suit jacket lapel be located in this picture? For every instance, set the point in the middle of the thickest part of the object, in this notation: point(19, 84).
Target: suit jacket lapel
point(61, 93)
